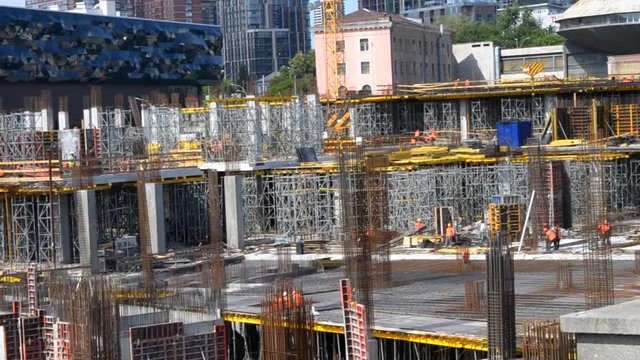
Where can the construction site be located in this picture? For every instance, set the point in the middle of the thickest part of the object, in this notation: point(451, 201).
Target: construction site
point(285, 228)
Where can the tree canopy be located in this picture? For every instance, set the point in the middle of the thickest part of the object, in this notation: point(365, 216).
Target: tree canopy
point(513, 29)
point(302, 70)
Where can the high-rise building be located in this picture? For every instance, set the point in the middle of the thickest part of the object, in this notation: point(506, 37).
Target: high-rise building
point(122, 7)
point(388, 6)
point(260, 37)
point(174, 10)
point(210, 12)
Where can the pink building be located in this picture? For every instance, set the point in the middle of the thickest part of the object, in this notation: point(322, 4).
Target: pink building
point(383, 51)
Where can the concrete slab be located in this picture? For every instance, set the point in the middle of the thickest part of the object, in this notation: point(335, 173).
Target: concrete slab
point(619, 319)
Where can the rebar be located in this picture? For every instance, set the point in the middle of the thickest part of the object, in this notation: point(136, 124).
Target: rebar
point(544, 340)
point(286, 324)
point(501, 317)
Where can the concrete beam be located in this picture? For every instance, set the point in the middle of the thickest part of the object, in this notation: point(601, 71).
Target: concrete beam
point(87, 228)
point(234, 211)
point(155, 214)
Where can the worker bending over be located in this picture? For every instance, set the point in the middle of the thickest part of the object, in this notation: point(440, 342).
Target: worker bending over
point(605, 233)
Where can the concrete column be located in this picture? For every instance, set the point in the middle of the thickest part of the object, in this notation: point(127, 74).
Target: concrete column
point(155, 214)
point(46, 120)
point(465, 118)
point(95, 117)
point(66, 238)
point(234, 212)
point(87, 228)
point(63, 120)
point(86, 119)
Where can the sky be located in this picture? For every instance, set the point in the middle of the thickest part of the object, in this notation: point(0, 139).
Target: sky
point(12, 2)
point(350, 5)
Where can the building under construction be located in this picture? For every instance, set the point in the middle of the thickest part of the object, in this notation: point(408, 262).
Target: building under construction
point(284, 228)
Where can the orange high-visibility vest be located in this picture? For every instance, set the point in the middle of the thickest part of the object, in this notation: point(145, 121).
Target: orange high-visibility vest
point(450, 232)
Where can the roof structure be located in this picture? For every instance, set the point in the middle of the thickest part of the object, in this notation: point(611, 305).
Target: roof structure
point(588, 8)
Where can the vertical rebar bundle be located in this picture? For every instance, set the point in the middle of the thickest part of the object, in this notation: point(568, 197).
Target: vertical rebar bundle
point(356, 237)
point(146, 255)
point(598, 266)
point(564, 277)
point(378, 220)
point(501, 315)
point(475, 296)
point(544, 340)
point(90, 314)
point(216, 282)
point(287, 324)
point(538, 183)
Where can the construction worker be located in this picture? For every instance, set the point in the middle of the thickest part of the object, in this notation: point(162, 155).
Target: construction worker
point(431, 137)
point(551, 238)
point(420, 224)
point(449, 236)
point(556, 229)
point(297, 298)
point(605, 233)
point(467, 83)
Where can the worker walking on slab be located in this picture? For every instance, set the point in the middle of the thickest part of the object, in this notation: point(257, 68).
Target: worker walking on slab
point(605, 233)
point(449, 236)
point(545, 229)
point(556, 229)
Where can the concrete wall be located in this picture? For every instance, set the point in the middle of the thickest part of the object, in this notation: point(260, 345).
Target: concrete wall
point(475, 61)
point(623, 65)
point(611, 332)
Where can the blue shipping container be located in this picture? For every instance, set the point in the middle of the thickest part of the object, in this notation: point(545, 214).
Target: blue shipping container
point(514, 133)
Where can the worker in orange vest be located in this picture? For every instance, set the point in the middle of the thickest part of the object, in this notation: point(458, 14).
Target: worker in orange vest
point(431, 137)
point(605, 233)
point(552, 239)
point(449, 235)
point(545, 228)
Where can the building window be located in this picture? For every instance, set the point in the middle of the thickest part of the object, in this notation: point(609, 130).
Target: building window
point(366, 90)
point(365, 67)
point(340, 46)
point(364, 44)
point(342, 69)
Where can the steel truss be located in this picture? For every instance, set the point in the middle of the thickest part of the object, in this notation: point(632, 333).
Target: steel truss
point(35, 226)
point(442, 115)
point(371, 120)
point(186, 209)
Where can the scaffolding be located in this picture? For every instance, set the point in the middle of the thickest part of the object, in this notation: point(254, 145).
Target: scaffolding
point(466, 188)
point(442, 115)
point(186, 209)
point(117, 213)
point(163, 129)
point(370, 120)
point(525, 109)
point(484, 114)
point(35, 225)
point(119, 141)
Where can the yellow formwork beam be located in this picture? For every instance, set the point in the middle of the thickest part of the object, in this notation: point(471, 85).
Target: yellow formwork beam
point(420, 337)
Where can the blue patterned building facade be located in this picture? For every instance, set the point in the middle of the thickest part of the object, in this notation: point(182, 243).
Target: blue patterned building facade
point(38, 46)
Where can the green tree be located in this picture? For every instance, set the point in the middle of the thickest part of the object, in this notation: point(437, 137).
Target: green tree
point(299, 77)
point(511, 30)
